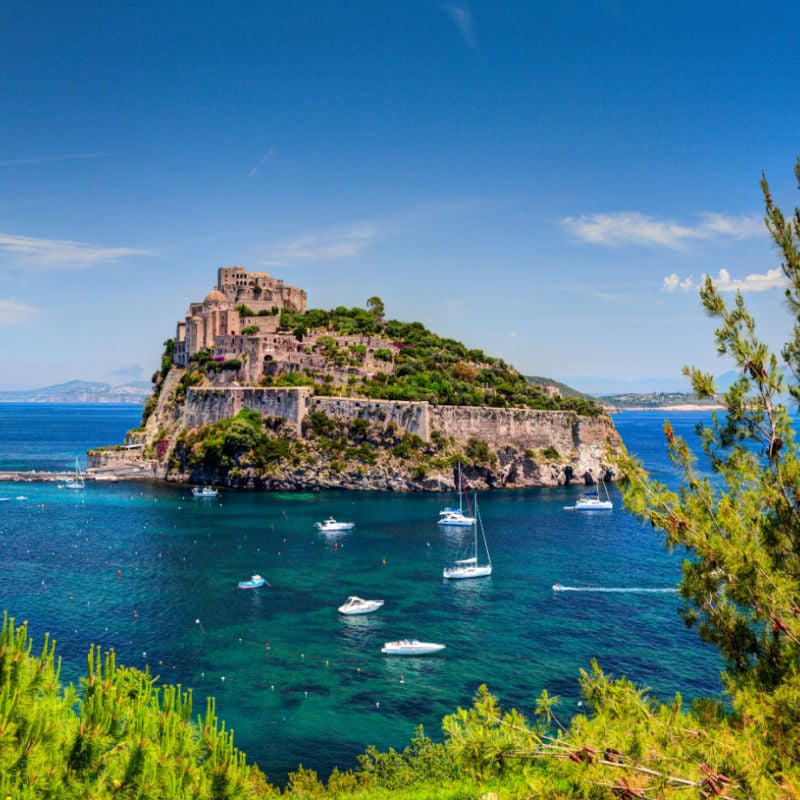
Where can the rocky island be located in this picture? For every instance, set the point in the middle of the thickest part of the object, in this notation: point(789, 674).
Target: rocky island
point(256, 391)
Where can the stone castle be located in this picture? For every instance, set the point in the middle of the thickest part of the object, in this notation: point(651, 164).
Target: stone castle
point(256, 339)
point(238, 325)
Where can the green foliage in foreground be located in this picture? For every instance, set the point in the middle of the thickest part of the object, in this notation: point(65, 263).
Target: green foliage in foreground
point(116, 736)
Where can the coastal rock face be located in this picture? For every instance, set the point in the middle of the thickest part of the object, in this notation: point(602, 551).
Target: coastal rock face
point(498, 447)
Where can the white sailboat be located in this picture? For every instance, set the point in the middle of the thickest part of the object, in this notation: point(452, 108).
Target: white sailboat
point(456, 516)
point(469, 567)
point(594, 501)
point(76, 481)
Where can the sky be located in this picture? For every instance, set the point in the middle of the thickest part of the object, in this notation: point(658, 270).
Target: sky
point(548, 182)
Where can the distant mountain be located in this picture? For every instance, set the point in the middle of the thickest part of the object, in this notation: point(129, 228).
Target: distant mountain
point(605, 387)
point(135, 392)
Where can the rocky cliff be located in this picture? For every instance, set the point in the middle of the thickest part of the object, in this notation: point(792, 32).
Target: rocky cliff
point(313, 442)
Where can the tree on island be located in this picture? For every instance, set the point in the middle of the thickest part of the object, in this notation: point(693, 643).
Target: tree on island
point(375, 307)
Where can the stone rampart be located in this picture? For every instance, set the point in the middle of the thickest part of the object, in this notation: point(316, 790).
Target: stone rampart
point(408, 416)
point(205, 406)
point(523, 427)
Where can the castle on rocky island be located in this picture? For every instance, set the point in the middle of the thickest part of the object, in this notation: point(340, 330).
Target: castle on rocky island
point(240, 319)
point(232, 353)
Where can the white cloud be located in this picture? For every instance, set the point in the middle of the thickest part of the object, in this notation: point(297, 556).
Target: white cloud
point(754, 282)
point(49, 255)
point(462, 17)
point(13, 313)
point(336, 243)
point(673, 282)
point(631, 227)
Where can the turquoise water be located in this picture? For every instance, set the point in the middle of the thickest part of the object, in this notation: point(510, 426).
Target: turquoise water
point(151, 571)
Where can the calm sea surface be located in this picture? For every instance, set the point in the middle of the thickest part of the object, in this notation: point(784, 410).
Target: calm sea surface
point(151, 571)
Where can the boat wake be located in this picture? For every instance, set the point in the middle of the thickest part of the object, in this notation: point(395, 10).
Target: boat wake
point(557, 587)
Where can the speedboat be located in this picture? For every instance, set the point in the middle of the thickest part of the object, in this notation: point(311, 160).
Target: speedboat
point(411, 647)
point(331, 524)
point(355, 605)
point(253, 583)
point(205, 491)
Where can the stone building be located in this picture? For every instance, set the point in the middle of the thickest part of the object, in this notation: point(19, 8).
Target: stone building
point(217, 323)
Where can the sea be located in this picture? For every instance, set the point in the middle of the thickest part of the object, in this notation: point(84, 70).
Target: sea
point(149, 570)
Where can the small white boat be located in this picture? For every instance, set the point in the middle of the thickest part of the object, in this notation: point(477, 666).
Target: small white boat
point(593, 501)
point(253, 583)
point(411, 647)
point(76, 481)
point(456, 516)
point(355, 605)
point(205, 491)
point(331, 524)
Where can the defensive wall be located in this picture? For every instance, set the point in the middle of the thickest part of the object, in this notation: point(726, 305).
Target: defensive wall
point(526, 428)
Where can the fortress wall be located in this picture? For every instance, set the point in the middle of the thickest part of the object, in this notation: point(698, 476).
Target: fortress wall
point(526, 428)
point(408, 416)
point(206, 406)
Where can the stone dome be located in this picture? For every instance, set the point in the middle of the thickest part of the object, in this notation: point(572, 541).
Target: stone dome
point(215, 297)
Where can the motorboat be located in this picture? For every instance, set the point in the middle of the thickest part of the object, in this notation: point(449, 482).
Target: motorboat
point(469, 567)
point(331, 525)
point(355, 605)
point(594, 501)
point(254, 583)
point(456, 516)
point(205, 491)
point(411, 647)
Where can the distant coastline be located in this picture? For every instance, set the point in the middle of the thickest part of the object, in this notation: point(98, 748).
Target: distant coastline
point(679, 407)
point(135, 393)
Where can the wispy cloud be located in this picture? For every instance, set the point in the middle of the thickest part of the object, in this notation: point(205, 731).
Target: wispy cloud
point(13, 313)
point(462, 17)
point(335, 243)
point(47, 159)
point(265, 159)
point(773, 279)
point(50, 255)
point(631, 227)
point(609, 297)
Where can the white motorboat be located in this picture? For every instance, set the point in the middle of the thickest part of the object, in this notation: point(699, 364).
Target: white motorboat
point(594, 501)
point(469, 567)
point(331, 524)
point(411, 647)
point(205, 491)
point(355, 605)
point(456, 516)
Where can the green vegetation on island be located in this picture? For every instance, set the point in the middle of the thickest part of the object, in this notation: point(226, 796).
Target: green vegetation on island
point(425, 365)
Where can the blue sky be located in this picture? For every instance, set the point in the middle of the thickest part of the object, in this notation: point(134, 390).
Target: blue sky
point(546, 181)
